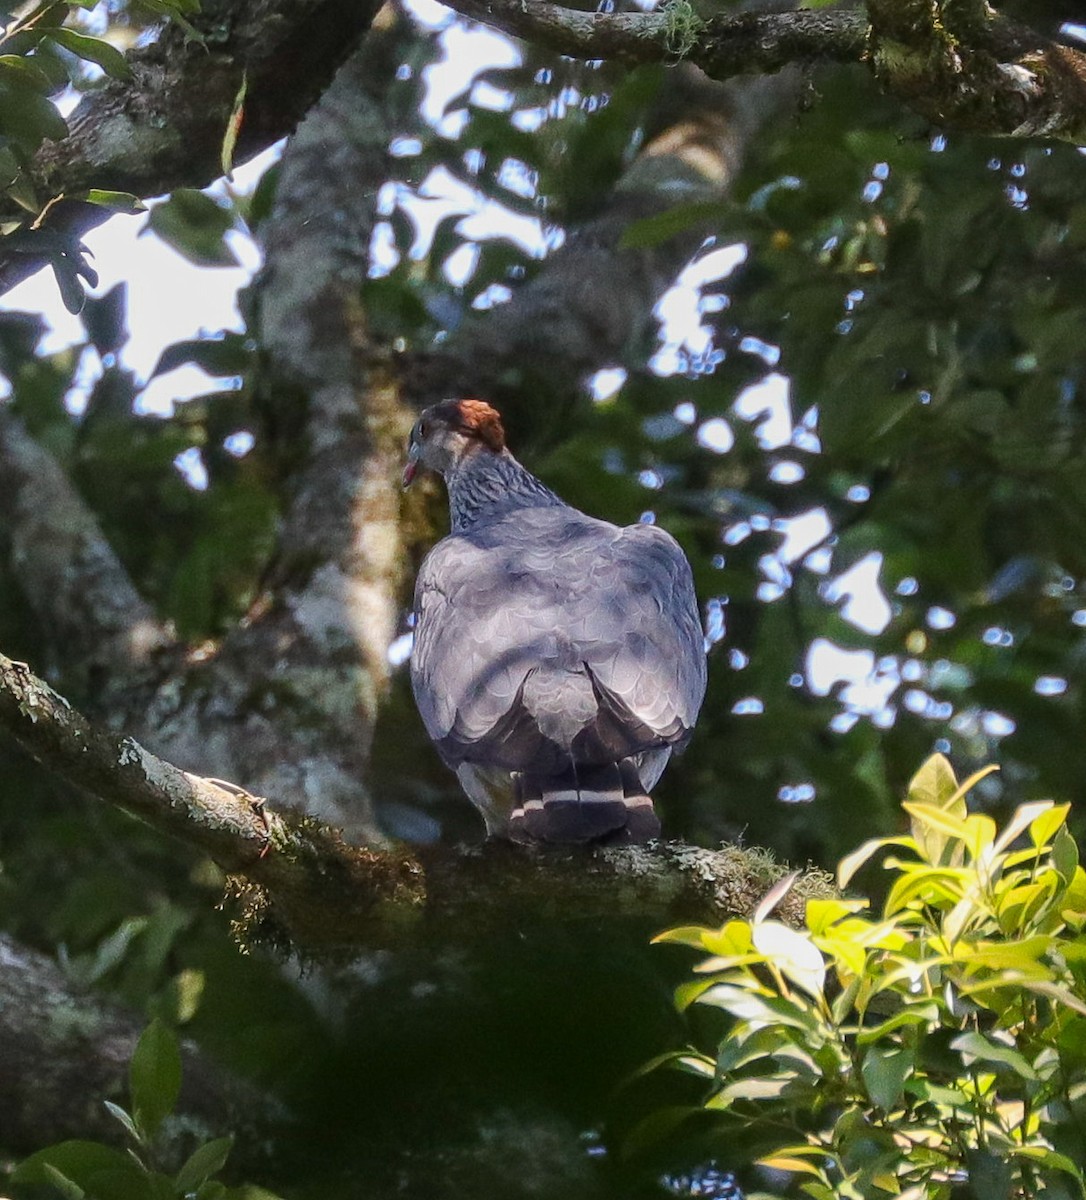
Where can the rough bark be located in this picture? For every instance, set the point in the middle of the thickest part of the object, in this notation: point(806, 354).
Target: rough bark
point(64, 1051)
point(724, 46)
point(164, 129)
point(302, 883)
point(94, 621)
point(288, 702)
point(961, 66)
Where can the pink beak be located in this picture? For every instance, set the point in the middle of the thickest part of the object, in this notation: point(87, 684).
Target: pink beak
point(411, 467)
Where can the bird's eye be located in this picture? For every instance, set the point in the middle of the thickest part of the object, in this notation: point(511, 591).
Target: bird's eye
point(422, 430)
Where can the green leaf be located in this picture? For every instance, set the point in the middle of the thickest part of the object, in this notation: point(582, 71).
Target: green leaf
point(980, 832)
point(851, 863)
point(122, 202)
point(1018, 906)
point(28, 118)
point(24, 72)
point(214, 1190)
point(186, 992)
point(787, 1160)
point(154, 1076)
point(687, 993)
point(1023, 818)
point(1022, 954)
point(933, 817)
point(195, 226)
point(207, 1160)
point(977, 1047)
point(963, 789)
point(936, 806)
point(113, 949)
point(745, 1045)
point(844, 1003)
point(67, 1187)
point(761, 1087)
point(1046, 825)
point(821, 913)
point(94, 50)
point(923, 1013)
point(884, 1070)
point(225, 355)
point(1065, 855)
point(682, 935)
point(936, 786)
point(939, 886)
point(1051, 1159)
point(688, 1061)
point(69, 284)
point(78, 1161)
point(123, 1117)
point(660, 227)
point(793, 954)
point(721, 964)
point(746, 1005)
point(233, 128)
point(1020, 980)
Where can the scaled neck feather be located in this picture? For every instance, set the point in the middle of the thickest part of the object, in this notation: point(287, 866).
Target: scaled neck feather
point(484, 484)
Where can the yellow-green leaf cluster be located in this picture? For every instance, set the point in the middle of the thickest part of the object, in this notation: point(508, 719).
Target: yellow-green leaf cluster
point(937, 1043)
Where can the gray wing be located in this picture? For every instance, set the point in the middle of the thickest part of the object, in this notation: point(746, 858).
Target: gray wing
point(475, 640)
point(648, 659)
point(604, 620)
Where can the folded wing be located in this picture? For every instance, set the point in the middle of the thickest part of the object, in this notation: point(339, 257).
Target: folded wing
point(554, 634)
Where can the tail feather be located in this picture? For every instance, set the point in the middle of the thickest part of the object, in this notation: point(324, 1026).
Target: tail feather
point(590, 804)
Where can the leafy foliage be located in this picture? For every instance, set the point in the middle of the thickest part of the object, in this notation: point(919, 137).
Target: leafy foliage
point(77, 1169)
point(935, 1045)
point(43, 51)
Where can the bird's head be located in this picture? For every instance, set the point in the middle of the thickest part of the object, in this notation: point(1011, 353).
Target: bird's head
point(446, 433)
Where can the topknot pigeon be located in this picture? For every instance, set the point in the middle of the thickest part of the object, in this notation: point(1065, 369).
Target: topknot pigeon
point(558, 659)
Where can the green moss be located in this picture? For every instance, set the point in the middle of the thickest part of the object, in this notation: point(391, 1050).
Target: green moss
point(681, 28)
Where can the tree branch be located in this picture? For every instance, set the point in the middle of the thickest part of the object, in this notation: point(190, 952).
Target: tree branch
point(962, 67)
point(724, 46)
point(165, 128)
point(955, 62)
point(302, 882)
point(289, 701)
point(96, 623)
point(593, 298)
point(57, 1070)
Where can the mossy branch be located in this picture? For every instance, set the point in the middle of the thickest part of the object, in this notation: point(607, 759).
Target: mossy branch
point(956, 62)
point(298, 881)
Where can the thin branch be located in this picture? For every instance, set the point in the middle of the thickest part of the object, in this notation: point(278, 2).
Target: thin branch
point(307, 885)
point(974, 71)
